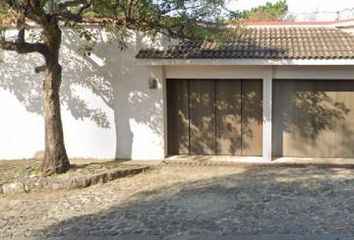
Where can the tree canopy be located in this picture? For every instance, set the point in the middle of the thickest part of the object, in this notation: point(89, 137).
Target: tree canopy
point(177, 18)
point(278, 11)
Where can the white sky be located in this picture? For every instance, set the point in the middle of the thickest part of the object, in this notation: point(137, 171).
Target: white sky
point(296, 6)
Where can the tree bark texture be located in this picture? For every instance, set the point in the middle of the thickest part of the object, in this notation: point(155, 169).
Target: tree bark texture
point(55, 156)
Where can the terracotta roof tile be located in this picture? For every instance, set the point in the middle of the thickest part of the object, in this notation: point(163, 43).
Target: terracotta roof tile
point(266, 43)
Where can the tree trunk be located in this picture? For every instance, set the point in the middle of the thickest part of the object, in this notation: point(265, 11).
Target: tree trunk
point(55, 157)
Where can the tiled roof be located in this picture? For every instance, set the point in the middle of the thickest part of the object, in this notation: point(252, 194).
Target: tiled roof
point(266, 43)
point(300, 23)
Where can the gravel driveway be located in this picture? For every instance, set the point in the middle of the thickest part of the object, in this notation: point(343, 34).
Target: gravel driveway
point(173, 202)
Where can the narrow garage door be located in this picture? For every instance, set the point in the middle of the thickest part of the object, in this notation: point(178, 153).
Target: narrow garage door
point(221, 117)
point(313, 118)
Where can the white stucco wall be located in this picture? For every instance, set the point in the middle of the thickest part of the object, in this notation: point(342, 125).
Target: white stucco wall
point(108, 111)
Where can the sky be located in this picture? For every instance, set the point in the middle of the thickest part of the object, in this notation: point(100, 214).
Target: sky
point(298, 7)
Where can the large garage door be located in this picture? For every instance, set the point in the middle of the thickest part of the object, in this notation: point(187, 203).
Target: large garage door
point(221, 117)
point(313, 118)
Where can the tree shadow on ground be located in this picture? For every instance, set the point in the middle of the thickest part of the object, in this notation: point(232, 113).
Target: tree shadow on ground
point(252, 201)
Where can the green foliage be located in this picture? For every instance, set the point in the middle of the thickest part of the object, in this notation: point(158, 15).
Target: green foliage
point(183, 19)
point(3, 15)
point(270, 12)
point(177, 18)
point(2, 10)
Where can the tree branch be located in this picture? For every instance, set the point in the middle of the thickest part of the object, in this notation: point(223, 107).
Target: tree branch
point(68, 16)
point(21, 46)
point(24, 47)
point(39, 69)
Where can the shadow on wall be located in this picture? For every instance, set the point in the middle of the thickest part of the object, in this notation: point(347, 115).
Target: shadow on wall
point(109, 73)
point(215, 116)
point(255, 202)
point(313, 118)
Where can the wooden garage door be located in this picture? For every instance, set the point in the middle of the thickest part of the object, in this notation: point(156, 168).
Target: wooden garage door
point(207, 117)
point(313, 118)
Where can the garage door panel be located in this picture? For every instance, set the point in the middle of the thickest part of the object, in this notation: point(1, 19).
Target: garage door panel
point(202, 117)
point(214, 117)
point(228, 117)
point(178, 117)
point(252, 117)
point(298, 135)
point(325, 119)
point(346, 127)
point(315, 117)
point(278, 119)
point(339, 134)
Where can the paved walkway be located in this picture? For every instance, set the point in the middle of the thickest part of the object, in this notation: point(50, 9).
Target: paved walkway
point(176, 202)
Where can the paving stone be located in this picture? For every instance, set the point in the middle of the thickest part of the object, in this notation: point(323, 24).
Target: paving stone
point(192, 203)
point(13, 187)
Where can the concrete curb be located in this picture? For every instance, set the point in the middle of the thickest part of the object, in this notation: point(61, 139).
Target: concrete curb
point(196, 163)
point(68, 184)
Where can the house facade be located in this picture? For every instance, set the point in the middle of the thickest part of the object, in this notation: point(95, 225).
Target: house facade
point(276, 90)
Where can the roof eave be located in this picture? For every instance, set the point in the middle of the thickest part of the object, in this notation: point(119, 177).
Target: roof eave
point(247, 62)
